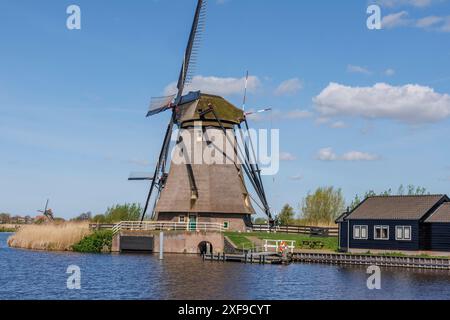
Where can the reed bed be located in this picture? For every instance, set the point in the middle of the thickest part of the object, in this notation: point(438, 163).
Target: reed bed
point(50, 237)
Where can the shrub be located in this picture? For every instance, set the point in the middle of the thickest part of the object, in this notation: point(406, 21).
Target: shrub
point(98, 242)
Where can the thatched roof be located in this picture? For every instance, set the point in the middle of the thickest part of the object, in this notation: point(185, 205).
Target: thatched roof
point(220, 190)
point(220, 185)
point(226, 112)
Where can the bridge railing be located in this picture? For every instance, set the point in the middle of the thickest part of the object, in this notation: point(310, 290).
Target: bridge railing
point(167, 226)
point(275, 245)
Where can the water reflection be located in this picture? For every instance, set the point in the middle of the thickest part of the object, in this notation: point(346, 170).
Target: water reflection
point(42, 275)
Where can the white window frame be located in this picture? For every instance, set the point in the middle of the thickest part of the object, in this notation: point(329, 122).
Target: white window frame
point(403, 228)
point(355, 227)
point(228, 225)
point(184, 219)
point(375, 233)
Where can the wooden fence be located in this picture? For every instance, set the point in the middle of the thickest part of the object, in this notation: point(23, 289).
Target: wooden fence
point(306, 230)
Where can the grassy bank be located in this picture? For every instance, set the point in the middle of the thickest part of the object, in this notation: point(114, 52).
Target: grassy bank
point(243, 240)
point(8, 228)
point(50, 237)
point(97, 242)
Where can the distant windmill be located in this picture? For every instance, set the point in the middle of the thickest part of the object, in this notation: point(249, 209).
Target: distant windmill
point(194, 192)
point(48, 213)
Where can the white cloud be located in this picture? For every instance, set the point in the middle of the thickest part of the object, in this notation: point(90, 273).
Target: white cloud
point(428, 21)
point(446, 25)
point(409, 103)
point(413, 3)
point(389, 72)
point(327, 154)
point(357, 69)
point(393, 20)
point(359, 156)
point(401, 19)
point(217, 85)
point(338, 125)
point(289, 87)
point(322, 120)
point(286, 156)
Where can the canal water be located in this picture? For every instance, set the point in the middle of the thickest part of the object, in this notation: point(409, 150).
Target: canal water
point(42, 275)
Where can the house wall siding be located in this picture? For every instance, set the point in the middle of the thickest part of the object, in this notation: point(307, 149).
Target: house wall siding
point(390, 244)
point(343, 236)
point(438, 236)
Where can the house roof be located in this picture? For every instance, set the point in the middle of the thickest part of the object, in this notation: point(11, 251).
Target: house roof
point(395, 207)
point(342, 217)
point(442, 214)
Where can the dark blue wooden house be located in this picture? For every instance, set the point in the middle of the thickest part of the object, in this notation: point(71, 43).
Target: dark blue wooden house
point(397, 223)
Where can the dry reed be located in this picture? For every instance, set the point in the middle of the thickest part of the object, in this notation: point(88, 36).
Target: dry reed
point(51, 237)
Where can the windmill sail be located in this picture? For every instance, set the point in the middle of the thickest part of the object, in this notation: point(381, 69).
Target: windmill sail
point(186, 73)
point(188, 66)
point(160, 104)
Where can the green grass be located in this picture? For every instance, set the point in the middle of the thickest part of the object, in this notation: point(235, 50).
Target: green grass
point(240, 239)
point(3, 229)
point(98, 242)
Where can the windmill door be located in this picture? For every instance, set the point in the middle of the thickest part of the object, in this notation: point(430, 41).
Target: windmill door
point(192, 222)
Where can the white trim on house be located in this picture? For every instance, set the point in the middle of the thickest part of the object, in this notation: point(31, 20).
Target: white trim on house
point(360, 234)
point(402, 237)
point(382, 228)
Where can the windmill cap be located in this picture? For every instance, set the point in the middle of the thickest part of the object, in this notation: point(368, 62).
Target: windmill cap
point(196, 107)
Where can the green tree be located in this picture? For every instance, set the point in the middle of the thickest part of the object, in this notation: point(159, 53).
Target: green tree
point(410, 190)
point(323, 206)
point(125, 212)
point(286, 216)
point(99, 218)
point(4, 218)
point(83, 217)
point(260, 221)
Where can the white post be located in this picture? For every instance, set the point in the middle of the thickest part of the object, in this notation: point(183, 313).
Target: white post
point(161, 245)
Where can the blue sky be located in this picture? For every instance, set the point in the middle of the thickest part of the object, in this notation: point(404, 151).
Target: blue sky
point(357, 109)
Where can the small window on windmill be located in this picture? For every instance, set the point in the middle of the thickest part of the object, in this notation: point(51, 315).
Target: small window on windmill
point(226, 225)
point(247, 201)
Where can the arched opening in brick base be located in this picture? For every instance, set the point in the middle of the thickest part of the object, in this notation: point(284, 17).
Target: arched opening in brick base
point(205, 247)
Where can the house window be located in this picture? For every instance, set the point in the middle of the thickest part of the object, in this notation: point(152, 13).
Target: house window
point(360, 232)
point(381, 233)
point(182, 219)
point(403, 233)
point(226, 225)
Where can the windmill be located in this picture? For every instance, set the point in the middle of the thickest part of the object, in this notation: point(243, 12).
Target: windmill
point(191, 192)
point(48, 213)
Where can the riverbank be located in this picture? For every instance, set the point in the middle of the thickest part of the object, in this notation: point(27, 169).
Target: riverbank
point(247, 241)
point(49, 237)
point(9, 228)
